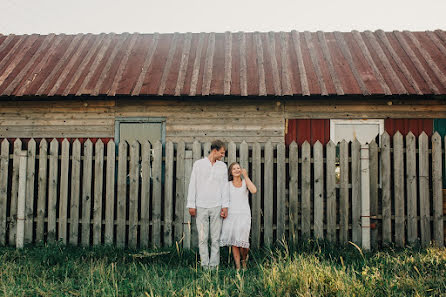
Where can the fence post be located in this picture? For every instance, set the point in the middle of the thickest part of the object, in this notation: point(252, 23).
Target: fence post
point(365, 197)
point(21, 200)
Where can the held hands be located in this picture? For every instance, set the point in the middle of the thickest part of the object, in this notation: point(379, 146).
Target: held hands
point(192, 211)
point(224, 212)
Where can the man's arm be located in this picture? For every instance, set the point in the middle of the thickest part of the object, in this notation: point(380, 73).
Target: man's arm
point(192, 192)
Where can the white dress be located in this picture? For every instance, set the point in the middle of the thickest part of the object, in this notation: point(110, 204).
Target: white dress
point(237, 225)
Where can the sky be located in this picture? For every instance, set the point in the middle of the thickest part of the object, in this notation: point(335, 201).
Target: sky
point(165, 16)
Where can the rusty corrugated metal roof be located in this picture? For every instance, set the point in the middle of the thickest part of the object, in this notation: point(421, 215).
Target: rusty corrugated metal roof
point(239, 64)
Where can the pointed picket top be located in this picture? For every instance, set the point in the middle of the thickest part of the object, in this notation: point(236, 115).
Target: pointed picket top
point(54, 142)
point(32, 141)
point(385, 136)
point(343, 142)
point(65, 141)
point(356, 142)
point(18, 143)
point(99, 142)
point(373, 143)
point(423, 136)
point(43, 143)
point(158, 143)
point(293, 144)
point(317, 145)
point(75, 142)
point(306, 143)
point(88, 142)
point(5, 141)
point(436, 137)
point(410, 135)
point(135, 143)
point(397, 134)
point(5, 146)
point(331, 143)
point(111, 142)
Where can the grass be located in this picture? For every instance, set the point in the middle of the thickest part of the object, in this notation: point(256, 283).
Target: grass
point(309, 269)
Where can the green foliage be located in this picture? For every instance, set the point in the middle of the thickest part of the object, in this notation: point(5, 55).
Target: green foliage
point(308, 269)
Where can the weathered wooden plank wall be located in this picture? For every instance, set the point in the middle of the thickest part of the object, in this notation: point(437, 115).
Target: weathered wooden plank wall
point(300, 191)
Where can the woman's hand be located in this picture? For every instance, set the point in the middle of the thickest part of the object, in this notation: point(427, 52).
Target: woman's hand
point(244, 172)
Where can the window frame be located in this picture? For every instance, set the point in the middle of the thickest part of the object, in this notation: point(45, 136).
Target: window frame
point(119, 120)
point(334, 122)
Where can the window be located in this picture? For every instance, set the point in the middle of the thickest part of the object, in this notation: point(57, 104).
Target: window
point(141, 129)
point(363, 130)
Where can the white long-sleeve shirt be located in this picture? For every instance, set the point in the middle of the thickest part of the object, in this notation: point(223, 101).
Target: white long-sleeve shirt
point(208, 186)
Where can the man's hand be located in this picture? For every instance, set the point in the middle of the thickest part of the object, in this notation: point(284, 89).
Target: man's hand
point(224, 212)
point(192, 211)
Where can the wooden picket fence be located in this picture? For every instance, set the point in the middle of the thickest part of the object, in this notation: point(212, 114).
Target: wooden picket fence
point(134, 195)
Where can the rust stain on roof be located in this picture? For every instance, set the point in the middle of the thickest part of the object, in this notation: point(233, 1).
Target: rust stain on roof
point(238, 64)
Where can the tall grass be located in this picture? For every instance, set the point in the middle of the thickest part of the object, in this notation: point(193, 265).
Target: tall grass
point(309, 269)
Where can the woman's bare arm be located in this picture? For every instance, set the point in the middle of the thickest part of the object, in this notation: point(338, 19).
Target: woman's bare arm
point(249, 184)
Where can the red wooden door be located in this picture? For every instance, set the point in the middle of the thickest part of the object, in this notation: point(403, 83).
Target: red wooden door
point(311, 130)
point(416, 126)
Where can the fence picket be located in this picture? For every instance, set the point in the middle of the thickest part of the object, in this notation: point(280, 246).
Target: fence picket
point(256, 201)
point(398, 189)
point(156, 202)
point(145, 194)
point(52, 190)
point(187, 220)
point(356, 191)
point(134, 173)
point(179, 193)
point(344, 195)
point(268, 195)
point(29, 204)
point(86, 192)
point(4, 162)
point(293, 192)
point(14, 192)
point(306, 190)
point(331, 191)
point(437, 186)
point(122, 193)
point(42, 186)
point(374, 184)
point(98, 185)
point(168, 194)
point(110, 193)
point(196, 155)
point(63, 197)
point(411, 184)
point(281, 198)
point(423, 180)
point(232, 153)
point(75, 192)
point(244, 156)
point(206, 148)
point(318, 156)
point(386, 184)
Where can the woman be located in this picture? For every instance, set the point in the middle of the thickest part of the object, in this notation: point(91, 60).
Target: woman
point(236, 227)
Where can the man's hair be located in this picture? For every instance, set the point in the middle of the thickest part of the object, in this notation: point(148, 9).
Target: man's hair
point(217, 145)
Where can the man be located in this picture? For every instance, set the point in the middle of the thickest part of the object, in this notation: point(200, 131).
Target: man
point(208, 199)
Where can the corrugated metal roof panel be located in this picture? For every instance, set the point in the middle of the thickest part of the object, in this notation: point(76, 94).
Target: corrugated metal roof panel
point(239, 64)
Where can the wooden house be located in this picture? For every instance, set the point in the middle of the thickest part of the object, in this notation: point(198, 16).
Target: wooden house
point(265, 88)
point(276, 87)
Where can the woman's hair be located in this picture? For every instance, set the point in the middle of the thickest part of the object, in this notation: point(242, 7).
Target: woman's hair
point(230, 177)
